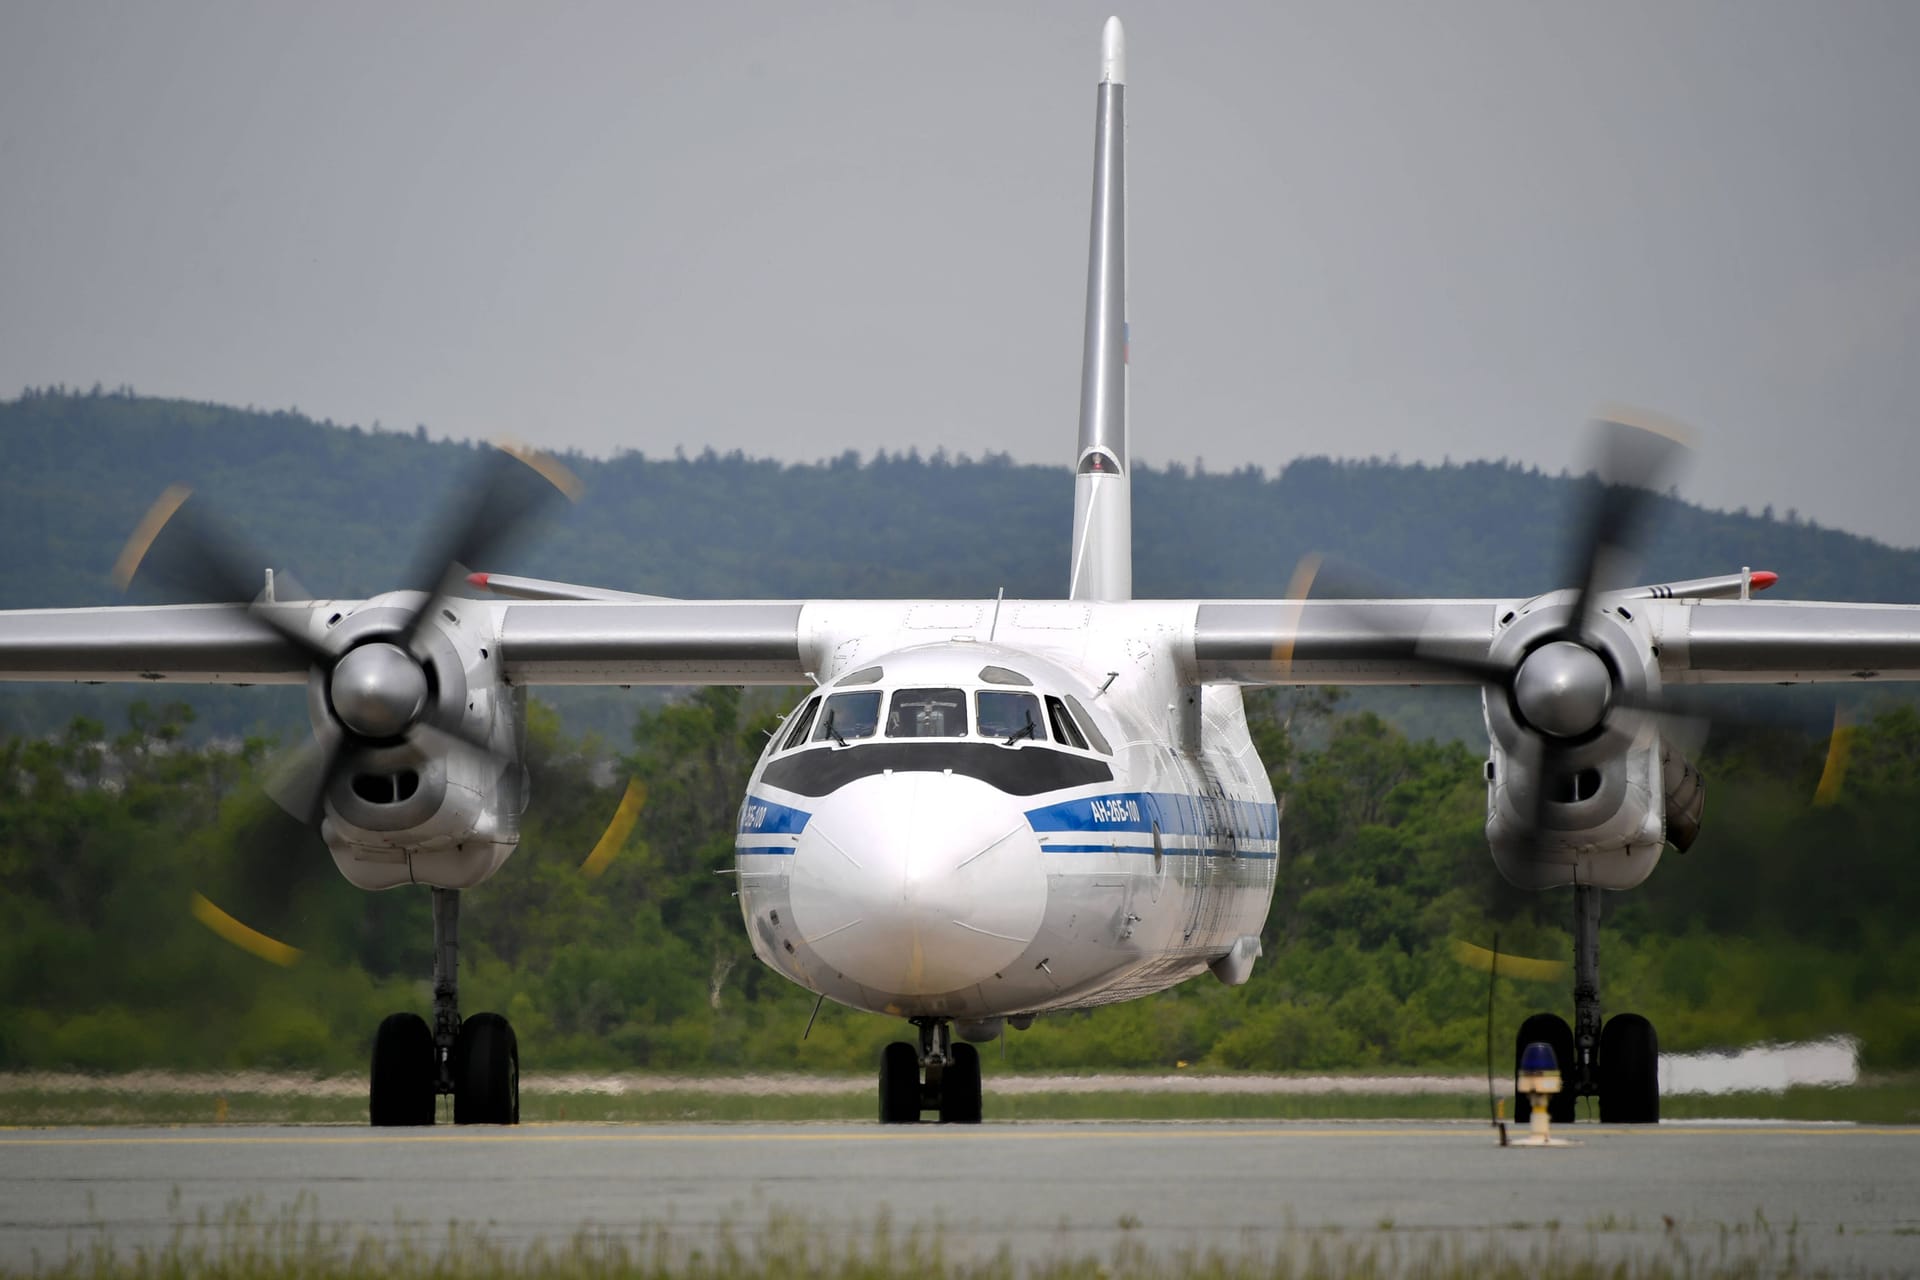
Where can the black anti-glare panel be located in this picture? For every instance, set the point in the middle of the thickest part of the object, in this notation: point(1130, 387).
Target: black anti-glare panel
point(1018, 771)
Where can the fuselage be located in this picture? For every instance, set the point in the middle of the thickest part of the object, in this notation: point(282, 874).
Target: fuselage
point(975, 828)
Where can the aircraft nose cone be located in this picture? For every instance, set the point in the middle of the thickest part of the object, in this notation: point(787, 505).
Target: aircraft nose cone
point(918, 883)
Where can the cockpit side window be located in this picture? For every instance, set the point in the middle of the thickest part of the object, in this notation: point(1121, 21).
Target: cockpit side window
point(846, 716)
point(802, 721)
point(928, 713)
point(1064, 729)
point(1010, 717)
point(1085, 721)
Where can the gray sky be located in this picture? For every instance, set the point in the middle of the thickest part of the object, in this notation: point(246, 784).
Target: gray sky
point(1425, 229)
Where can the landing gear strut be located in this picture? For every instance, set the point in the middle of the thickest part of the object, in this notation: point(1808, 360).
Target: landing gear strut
point(939, 1076)
point(1616, 1060)
point(476, 1059)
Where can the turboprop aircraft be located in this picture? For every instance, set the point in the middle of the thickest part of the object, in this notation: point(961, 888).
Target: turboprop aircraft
point(986, 810)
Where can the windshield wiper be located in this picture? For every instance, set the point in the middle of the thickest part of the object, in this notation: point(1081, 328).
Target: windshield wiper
point(1026, 730)
point(832, 732)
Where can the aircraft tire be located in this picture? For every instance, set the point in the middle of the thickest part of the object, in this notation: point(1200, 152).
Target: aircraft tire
point(1629, 1071)
point(899, 1084)
point(486, 1072)
point(1550, 1029)
point(402, 1087)
point(960, 1087)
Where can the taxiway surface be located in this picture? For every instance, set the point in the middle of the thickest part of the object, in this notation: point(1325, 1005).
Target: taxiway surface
point(1841, 1195)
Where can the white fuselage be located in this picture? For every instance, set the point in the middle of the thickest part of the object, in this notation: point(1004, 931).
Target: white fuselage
point(908, 859)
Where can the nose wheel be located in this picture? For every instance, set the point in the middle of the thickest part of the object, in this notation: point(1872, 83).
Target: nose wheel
point(1617, 1061)
point(939, 1075)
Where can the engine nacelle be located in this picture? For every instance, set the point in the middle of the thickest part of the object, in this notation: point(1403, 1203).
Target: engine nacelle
point(1686, 795)
point(424, 808)
point(1603, 819)
point(1610, 836)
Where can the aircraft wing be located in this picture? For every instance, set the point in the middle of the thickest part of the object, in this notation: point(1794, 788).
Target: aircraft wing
point(546, 642)
point(188, 643)
point(622, 642)
point(654, 642)
point(1405, 641)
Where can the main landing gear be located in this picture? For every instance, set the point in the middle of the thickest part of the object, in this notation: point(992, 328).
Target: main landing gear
point(476, 1059)
point(1618, 1062)
point(941, 1075)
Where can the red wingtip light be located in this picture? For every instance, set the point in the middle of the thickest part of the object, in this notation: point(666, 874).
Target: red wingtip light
point(1760, 579)
point(480, 580)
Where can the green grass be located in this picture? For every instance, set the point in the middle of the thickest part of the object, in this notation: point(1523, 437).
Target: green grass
point(248, 1240)
point(1894, 1101)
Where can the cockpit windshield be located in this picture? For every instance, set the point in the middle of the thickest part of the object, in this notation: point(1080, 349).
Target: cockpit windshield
point(1010, 717)
point(928, 713)
point(847, 716)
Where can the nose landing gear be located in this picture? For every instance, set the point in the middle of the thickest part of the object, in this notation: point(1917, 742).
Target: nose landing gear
point(476, 1059)
point(1617, 1062)
point(941, 1076)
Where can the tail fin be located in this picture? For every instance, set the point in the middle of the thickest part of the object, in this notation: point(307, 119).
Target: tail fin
point(1102, 503)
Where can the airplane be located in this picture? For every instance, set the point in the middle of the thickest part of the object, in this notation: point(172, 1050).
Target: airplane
point(989, 810)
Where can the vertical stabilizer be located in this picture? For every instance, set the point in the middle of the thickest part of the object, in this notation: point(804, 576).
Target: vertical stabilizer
point(1102, 507)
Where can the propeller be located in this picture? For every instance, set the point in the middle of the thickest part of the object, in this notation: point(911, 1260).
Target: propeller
point(1562, 677)
point(376, 690)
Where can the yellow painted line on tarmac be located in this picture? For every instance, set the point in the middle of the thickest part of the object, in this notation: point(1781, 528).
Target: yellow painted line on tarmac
point(534, 1134)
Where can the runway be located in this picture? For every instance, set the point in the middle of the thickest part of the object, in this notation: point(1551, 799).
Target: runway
point(1838, 1195)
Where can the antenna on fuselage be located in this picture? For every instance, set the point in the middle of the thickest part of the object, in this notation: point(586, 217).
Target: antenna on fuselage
point(810, 1017)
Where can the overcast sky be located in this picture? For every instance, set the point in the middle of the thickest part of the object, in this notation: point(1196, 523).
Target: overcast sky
point(1436, 230)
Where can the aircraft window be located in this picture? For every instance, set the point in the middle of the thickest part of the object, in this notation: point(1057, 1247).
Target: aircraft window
point(928, 713)
point(1009, 717)
point(866, 675)
point(802, 722)
point(1004, 675)
point(1064, 729)
point(849, 716)
point(1085, 721)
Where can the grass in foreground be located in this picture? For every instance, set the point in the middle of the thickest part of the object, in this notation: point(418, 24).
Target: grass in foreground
point(294, 1244)
point(1885, 1102)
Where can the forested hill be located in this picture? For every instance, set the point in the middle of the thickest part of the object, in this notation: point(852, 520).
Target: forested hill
point(342, 507)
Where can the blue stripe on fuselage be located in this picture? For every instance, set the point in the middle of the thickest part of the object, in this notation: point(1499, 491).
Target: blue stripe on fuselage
point(760, 817)
point(1174, 813)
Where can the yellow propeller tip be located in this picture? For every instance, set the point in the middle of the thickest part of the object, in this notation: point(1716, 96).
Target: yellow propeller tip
point(550, 468)
point(251, 941)
point(614, 838)
point(1506, 966)
point(1651, 421)
point(141, 540)
point(1297, 589)
point(1833, 775)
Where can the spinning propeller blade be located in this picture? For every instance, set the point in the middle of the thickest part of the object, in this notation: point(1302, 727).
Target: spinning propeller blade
point(377, 691)
point(1633, 454)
